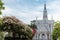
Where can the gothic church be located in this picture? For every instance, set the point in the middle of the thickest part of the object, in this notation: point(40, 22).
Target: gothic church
point(44, 27)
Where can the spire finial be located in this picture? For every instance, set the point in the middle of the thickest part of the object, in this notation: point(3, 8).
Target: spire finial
point(45, 5)
point(45, 12)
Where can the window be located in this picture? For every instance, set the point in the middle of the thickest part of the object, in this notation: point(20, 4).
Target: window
point(43, 34)
point(39, 34)
point(49, 25)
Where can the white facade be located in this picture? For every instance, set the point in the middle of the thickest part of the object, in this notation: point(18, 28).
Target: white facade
point(44, 27)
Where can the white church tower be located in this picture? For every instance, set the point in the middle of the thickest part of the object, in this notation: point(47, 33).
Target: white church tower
point(44, 27)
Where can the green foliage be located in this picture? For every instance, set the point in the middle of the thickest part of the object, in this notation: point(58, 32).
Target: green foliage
point(1, 35)
point(59, 37)
point(12, 24)
point(1, 6)
point(33, 26)
point(57, 24)
point(1, 24)
point(56, 31)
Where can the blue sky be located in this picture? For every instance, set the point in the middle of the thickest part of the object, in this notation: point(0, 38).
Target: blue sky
point(27, 10)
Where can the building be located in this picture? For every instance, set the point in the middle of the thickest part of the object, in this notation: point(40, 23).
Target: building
point(44, 27)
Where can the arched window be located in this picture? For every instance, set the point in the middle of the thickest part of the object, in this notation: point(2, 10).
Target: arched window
point(43, 37)
point(39, 34)
point(43, 34)
point(36, 36)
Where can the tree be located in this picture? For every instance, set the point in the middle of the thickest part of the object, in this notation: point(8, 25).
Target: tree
point(1, 6)
point(59, 38)
point(12, 24)
point(1, 33)
point(56, 31)
point(34, 28)
point(1, 36)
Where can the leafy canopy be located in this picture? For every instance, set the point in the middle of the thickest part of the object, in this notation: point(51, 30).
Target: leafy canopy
point(56, 31)
point(1, 6)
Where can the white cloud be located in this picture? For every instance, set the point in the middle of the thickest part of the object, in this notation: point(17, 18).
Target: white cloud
point(7, 11)
point(55, 9)
point(27, 15)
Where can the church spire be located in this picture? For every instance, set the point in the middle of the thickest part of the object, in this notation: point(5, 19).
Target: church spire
point(45, 12)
